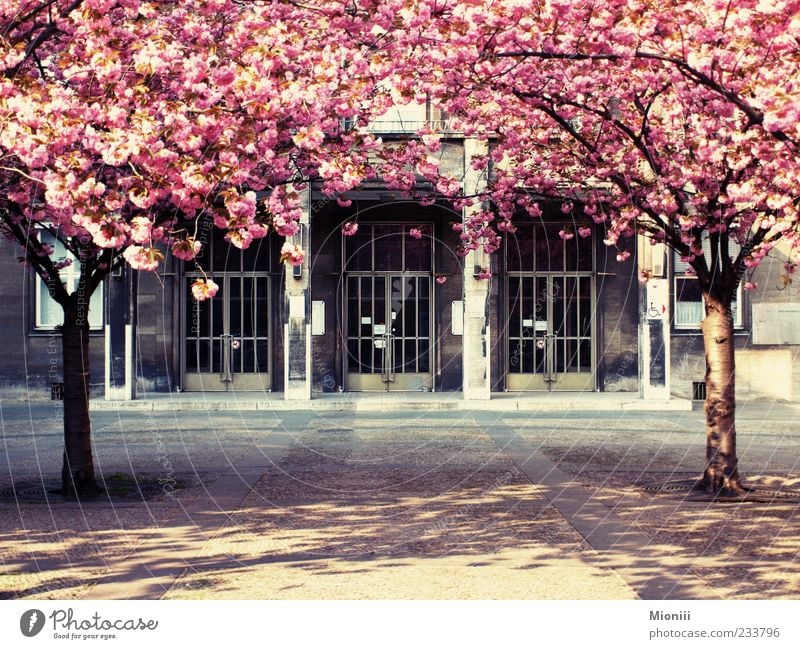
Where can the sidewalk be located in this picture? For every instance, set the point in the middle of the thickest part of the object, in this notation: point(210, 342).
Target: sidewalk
point(407, 504)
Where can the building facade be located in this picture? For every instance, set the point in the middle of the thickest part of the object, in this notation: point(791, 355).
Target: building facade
point(395, 307)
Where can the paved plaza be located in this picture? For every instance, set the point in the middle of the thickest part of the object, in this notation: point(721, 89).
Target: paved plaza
point(412, 501)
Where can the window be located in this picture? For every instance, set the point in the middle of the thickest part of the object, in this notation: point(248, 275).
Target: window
point(689, 311)
point(49, 314)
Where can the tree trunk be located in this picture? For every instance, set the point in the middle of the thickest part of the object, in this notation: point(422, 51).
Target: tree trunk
point(721, 476)
point(77, 474)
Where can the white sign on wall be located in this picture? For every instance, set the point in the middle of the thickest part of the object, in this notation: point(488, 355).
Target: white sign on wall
point(776, 324)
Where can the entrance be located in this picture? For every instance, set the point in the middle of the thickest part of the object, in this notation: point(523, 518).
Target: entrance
point(227, 338)
point(388, 324)
point(550, 311)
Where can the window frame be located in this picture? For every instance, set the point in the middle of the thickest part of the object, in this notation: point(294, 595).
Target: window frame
point(70, 276)
point(681, 271)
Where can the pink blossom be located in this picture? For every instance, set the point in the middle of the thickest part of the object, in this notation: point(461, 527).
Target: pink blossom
point(142, 258)
point(309, 137)
point(415, 233)
point(566, 234)
point(204, 288)
point(441, 279)
point(623, 255)
point(292, 253)
point(584, 232)
point(750, 286)
point(349, 228)
point(186, 249)
point(141, 228)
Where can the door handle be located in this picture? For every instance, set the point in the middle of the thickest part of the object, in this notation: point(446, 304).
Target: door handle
point(549, 360)
point(226, 342)
point(389, 358)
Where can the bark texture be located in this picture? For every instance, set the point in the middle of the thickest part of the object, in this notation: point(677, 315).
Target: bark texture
point(77, 473)
point(721, 474)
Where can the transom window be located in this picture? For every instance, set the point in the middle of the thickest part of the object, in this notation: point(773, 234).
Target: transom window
point(389, 247)
point(537, 247)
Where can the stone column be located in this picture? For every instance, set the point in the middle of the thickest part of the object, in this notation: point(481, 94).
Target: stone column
point(654, 322)
point(297, 327)
point(475, 340)
point(120, 335)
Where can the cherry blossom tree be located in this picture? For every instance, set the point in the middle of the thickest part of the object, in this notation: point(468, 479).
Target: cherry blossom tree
point(124, 123)
point(676, 121)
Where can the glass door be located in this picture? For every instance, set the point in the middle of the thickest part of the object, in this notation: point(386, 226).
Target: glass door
point(388, 332)
point(550, 308)
point(227, 338)
point(388, 329)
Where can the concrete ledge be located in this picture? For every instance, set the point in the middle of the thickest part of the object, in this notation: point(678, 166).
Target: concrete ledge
point(442, 401)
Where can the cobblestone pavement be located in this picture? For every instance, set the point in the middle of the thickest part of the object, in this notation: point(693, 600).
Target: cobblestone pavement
point(457, 505)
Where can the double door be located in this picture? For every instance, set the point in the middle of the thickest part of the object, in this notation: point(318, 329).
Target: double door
point(227, 337)
point(388, 326)
point(550, 332)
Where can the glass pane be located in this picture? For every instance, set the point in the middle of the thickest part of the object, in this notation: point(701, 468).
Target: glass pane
point(235, 305)
point(216, 356)
point(539, 355)
point(423, 359)
point(261, 312)
point(558, 355)
point(204, 361)
point(514, 355)
point(418, 252)
point(365, 355)
point(248, 307)
point(558, 306)
point(262, 356)
point(358, 249)
point(410, 359)
point(353, 356)
point(398, 358)
point(578, 253)
point(571, 308)
point(519, 248)
point(572, 356)
point(248, 356)
point(549, 248)
point(237, 355)
point(257, 258)
point(389, 247)
point(378, 362)
point(216, 323)
point(688, 302)
point(585, 361)
point(353, 315)
point(225, 257)
point(529, 306)
point(191, 355)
